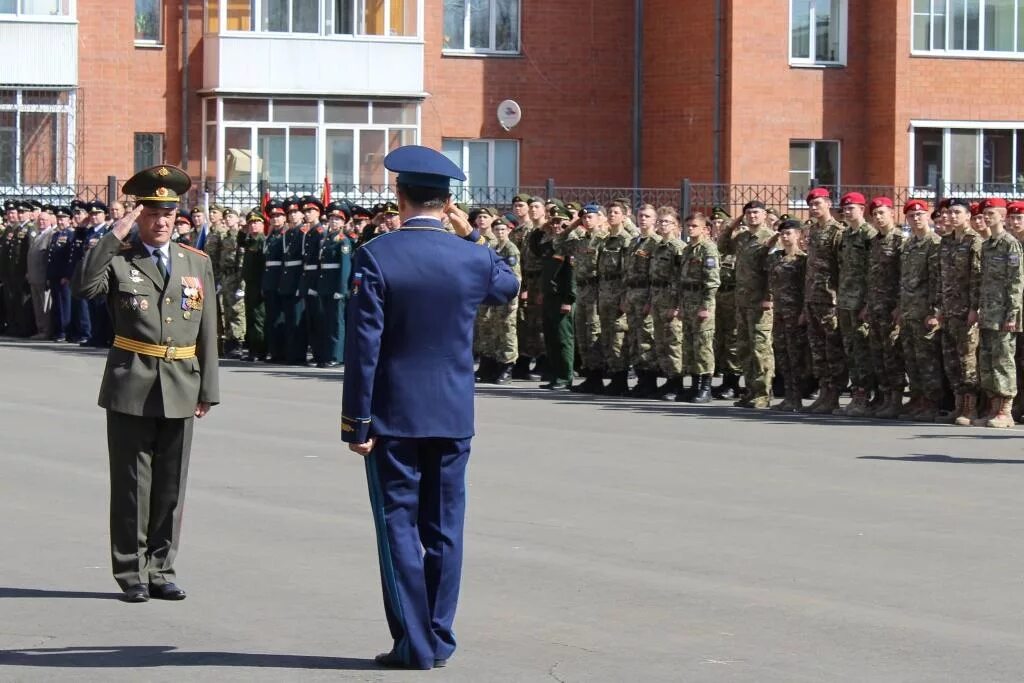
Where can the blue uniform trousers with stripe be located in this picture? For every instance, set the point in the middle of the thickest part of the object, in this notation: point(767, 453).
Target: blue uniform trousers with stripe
point(418, 495)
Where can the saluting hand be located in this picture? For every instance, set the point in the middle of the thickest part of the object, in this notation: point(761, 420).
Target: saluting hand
point(124, 224)
point(458, 218)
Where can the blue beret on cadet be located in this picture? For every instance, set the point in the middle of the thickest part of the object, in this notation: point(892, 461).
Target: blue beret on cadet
point(592, 208)
point(423, 167)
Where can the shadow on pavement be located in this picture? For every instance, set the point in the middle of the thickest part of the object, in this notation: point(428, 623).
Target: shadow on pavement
point(137, 656)
point(6, 592)
point(935, 457)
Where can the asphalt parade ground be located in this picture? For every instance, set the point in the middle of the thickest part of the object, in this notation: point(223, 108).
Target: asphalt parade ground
point(607, 540)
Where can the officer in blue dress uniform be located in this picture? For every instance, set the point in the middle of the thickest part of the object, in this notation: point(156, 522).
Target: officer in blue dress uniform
point(273, 251)
point(407, 402)
point(102, 329)
point(59, 271)
point(332, 287)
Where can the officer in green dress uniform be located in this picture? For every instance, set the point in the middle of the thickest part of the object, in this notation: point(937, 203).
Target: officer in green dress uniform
point(160, 375)
point(252, 243)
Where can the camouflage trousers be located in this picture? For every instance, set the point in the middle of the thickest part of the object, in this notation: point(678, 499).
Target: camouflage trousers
point(613, 326)
point(498, 338)
point(698, 336)
point(754, 339)
point(726, 356)
point(825, 341)
point(668, 331)
point(886, 351)
point(789, 339)
point(588, 328)
point(996, 367)
point(231, 308)
point(640, 330)
point(530, 328)
point(960, 354)
point(478, 329)
point(857, 346)
point(923, 357)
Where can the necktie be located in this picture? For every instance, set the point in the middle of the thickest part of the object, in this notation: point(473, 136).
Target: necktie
point(160, 265)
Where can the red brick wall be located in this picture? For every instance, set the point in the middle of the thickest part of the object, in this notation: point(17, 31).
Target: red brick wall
point(574, 81)
point(126, 89)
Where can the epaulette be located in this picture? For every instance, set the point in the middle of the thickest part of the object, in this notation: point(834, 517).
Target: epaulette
point(194, 250)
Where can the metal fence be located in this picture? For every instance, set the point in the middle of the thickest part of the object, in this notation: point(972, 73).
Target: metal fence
point(688, 197)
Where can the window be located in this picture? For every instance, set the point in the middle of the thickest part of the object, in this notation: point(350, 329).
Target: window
point(989, 159)
point(817, 32)
point(816, 160)
point(148, 29)
point(36, 137)
point(36, 8)
point(149, 150)
point(489, 165)
point(291, 144)
point(969, 26)
point(481, 26)
point(316, 17)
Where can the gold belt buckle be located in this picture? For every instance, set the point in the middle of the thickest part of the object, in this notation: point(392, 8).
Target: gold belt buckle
point(171, 353)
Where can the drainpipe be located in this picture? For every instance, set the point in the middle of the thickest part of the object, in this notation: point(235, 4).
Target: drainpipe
point(638, 75)
point(716, 152)
point(184, 83)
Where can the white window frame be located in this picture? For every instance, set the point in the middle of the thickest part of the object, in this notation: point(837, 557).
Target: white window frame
point(812, 61)
point(326, 31)
point(493, 38)
point(149, 42)
point(319, 125)
point(981, 52)
point(463, 191)
point(20, 14)
point(975, 126)
point(812, 143)
point(68, 110)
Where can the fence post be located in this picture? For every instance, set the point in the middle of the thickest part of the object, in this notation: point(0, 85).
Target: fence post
point(111, 189)
point(685, 198)
point(937, 189)
point(549, 188)
point(261, 190)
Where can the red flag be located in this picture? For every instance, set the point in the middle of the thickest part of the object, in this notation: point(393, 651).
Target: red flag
point(326, 196)
point(263, 208)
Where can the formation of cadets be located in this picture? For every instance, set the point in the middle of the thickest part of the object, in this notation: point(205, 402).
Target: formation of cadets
point(851, 299)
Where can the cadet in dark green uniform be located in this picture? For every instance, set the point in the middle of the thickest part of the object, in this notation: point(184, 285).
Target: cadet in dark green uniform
point(332, 287)
point(558, 297)
point(161, 374)
point(253, 266)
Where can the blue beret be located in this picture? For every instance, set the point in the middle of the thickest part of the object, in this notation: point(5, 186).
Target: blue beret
point(422, 166)
point(592, 208)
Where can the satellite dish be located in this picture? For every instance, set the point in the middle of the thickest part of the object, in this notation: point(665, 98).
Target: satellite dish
point(509, 114)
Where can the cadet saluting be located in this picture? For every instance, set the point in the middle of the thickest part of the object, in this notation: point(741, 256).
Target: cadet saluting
point(410, 324)
point(160, 375)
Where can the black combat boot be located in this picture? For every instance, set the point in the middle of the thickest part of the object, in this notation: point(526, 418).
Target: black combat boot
point(703, 394)
point(687, 395)
point(646, 386)
point(619, 384)
point(540, 369)
point(503, 373)
point(593, 384)
point(673, 385)
point(521, 370)
point(729, 388)
point(485, 370)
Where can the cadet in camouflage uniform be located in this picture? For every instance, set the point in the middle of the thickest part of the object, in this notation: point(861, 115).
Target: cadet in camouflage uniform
point(698, 282)
point(666, 265)
point(639, 322)
point(253, 243)
point(481, 219)
point(999, 315)
point(531, 315)
point(919, 314)
point(726, 356)
point(820, 314)
point(882, 307)
point(588, 232)
point(786, 273)
point(750, 243)
point(959, 283)
point(499, 343)
point(231, 288)
point(1015, 226)
point(853, 282)
point(611, 263)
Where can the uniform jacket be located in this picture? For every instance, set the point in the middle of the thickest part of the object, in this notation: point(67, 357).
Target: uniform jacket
point(37, 257)
point(1001, 282)
point(822, 279)
point(699, 274)
point(959, 274)
point(291, 274)
point(409, 332)
point(146, 385)
point(273, 253)
point(253, 267)
point(335, 267)
point(919, 276)
point(853, 267)
point(751, 248)
point(311, 260)
point(883, 294)
point(58, 257)
point(786, 276)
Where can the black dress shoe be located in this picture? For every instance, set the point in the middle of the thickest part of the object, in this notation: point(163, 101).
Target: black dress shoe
point(390, 660)
point(135, 594)
point(166, 591)
point(440, 663)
